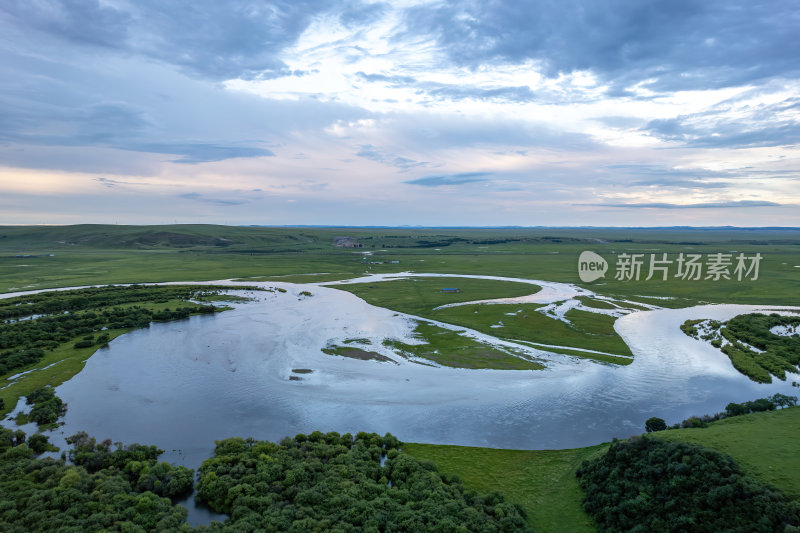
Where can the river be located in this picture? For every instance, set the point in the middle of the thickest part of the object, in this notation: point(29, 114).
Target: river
point(181, 385)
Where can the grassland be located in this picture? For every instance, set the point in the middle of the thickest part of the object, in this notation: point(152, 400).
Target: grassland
point(441, 346)
point(582, 354)
point(523, 322)
point(95, 254)
point(419, 296)
point(422, 296)
point(542, 482)
point(45, 257)
point(448, 348)
point(595, 303)
point(764, 444)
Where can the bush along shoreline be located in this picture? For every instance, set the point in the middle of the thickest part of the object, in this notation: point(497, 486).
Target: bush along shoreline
point(776, 401)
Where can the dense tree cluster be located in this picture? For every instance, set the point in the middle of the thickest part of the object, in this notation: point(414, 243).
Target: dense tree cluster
point(47, 407)
point(37, 442)
point(10, 437)
point(18, 358)
point(50, 495)
point(40, 443)
point(61, 316)
point(316, 482)
point(760, 405)
point(655, 424)
point(646, 484)
point(137, 461)
point(332, 482)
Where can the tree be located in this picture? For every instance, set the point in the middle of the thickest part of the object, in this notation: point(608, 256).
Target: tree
point(38, 443)
point(781, 400)
point(655, 424)
point(760, 405)
point(332, 482)
point(736, 409)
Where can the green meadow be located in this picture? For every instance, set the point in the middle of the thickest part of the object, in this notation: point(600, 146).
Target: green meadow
point(517, 322)
point(419, 296)
point(542, 482)
point(93, 254)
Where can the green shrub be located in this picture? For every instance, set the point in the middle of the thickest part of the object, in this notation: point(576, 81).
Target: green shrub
point(328, 482)
point(38, 443)
point(646, 484)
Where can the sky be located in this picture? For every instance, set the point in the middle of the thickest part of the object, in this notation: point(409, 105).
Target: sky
point(430, 113)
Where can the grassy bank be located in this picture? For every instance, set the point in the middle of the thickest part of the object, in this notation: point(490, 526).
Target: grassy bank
point(419, 296)
point(523, 322)
point(57, 366)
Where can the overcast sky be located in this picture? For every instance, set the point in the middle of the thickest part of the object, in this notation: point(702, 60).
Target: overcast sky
point(493, 112)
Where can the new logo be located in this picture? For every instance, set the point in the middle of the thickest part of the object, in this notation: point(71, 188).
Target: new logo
point(591, 266)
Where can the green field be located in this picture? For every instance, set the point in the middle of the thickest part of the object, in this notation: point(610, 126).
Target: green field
point(542, 482)
point(421, 297)
point(93, 254)
point(441, 346)
point(523, 322)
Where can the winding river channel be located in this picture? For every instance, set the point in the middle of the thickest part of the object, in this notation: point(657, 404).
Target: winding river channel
point(181, 385)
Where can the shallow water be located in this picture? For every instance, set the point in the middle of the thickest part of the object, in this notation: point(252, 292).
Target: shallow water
point(181, 385)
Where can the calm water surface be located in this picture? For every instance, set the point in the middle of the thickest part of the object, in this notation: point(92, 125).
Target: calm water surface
point(181, 385)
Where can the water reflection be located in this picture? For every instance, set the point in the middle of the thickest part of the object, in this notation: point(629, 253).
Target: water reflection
point(182, 385)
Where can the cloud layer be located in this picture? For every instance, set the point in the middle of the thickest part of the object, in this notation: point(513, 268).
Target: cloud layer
point(416, 112)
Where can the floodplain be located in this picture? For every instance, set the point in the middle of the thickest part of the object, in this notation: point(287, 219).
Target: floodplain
point(475, 370)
